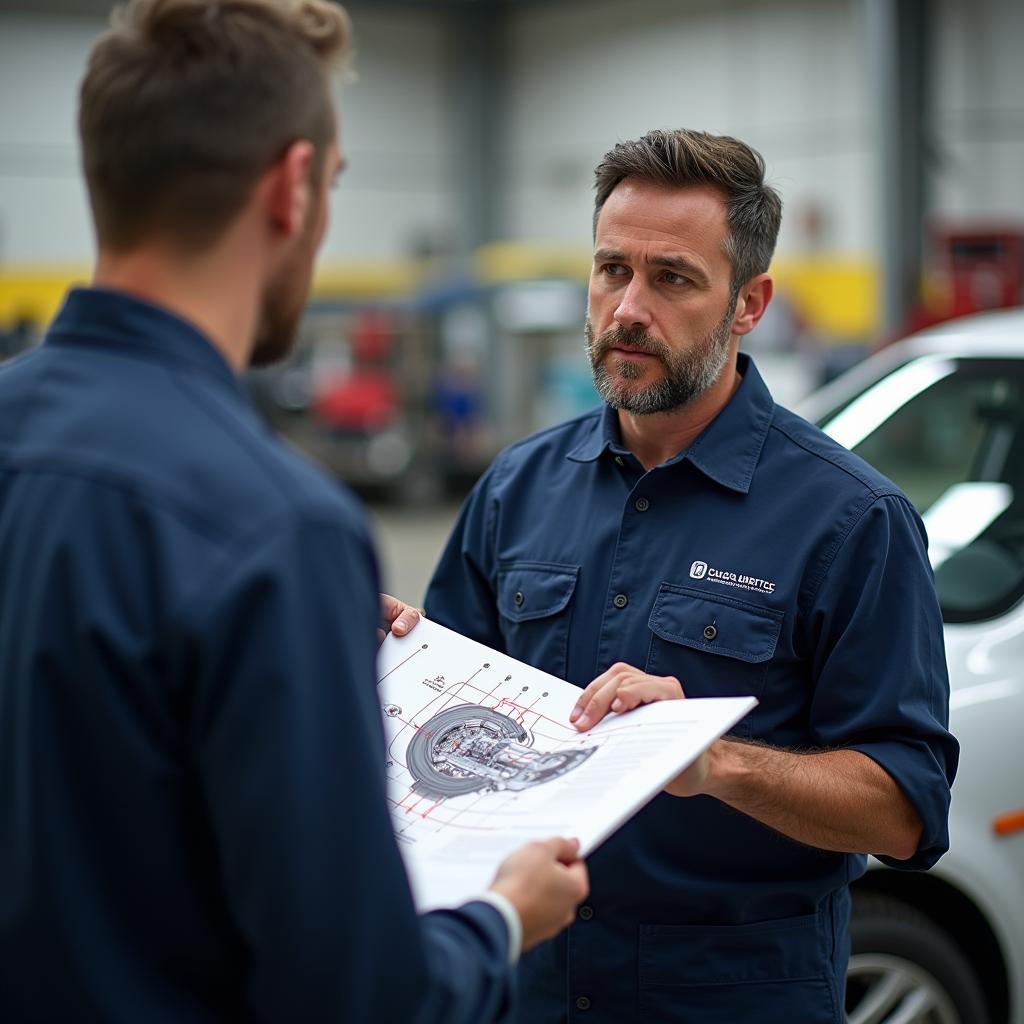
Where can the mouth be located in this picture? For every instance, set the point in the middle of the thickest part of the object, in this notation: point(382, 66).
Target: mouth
point(631, 353)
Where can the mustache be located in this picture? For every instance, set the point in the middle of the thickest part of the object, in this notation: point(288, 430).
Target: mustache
point(635, 338)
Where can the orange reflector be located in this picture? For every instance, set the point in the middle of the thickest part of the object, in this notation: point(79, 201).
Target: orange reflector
point(1007, 824)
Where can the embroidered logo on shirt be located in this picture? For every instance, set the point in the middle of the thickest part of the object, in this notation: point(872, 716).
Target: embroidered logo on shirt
point(701, 570)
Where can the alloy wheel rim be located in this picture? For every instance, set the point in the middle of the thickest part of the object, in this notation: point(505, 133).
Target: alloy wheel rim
point(892, 990)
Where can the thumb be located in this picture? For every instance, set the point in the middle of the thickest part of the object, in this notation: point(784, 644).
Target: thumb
point(563, 850)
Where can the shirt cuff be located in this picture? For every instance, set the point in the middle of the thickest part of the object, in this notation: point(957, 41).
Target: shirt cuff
point(504, 906)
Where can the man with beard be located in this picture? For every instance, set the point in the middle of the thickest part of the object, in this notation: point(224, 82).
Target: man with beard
point(193, 821)
point(691, 538)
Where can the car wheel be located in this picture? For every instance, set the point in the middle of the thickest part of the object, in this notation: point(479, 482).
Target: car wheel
point(905, 970)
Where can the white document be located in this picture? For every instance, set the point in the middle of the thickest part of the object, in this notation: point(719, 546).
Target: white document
point(481, 758)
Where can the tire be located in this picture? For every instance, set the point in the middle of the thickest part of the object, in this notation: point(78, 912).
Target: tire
point(904, 967)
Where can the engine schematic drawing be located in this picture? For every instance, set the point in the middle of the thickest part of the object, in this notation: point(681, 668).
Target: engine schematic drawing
point(470, 748)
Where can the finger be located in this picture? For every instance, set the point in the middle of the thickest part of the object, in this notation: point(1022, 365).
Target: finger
point(397, 616)
point(389, 608)
point(581, 878)
point(600, 703)
point(627, 699)
point(589, 690)
point(646, 690)
point(405, 621)
point(614, 675)
point(566, 851)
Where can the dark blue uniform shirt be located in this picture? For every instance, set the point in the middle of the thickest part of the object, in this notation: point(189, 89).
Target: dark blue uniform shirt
point(192, 810)
point(763, 560)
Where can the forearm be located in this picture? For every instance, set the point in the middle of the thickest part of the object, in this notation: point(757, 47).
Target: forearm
point(834, 800)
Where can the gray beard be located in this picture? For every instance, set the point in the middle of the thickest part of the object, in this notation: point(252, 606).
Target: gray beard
point(688, 374)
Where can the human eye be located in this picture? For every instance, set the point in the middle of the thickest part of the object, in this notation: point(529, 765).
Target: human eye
point(613, 269)
point(671, 277)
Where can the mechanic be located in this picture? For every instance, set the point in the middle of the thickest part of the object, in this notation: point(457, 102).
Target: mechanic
point(691, 537)
point(193, 820)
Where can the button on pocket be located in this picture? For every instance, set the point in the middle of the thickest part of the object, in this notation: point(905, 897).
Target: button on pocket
point(535, 604)
point(716, 646)
point(693, 618)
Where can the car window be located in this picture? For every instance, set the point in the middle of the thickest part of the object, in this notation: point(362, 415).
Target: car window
point(956, 448)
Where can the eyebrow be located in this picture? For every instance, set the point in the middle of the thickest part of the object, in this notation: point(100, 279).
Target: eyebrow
point(680, 263)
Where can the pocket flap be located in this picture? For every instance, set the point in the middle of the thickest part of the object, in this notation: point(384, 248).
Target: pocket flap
point(789, 949)
point(717, 625)
point(532, 590)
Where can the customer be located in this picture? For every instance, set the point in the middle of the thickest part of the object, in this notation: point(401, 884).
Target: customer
point(193, 824)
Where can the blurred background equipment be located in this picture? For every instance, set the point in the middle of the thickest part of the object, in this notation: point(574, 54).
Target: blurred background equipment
point(447, 317)
point(448, 309)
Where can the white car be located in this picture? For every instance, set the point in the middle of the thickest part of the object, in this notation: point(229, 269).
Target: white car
point(942, 414)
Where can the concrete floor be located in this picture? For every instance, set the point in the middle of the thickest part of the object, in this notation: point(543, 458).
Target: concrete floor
point(409, 542)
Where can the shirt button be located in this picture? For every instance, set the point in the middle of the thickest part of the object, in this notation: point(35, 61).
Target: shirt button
point(642, 504)
point(586, 913)
point(582, 1003)
point(619, 461)
point(620, 601)
point(518, 598)
point(710, 632)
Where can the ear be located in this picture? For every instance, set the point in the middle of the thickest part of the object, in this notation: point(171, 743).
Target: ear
point(752, 302)
point(288, 188)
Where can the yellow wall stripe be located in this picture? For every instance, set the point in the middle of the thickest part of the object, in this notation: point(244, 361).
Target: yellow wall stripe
point(837, 296)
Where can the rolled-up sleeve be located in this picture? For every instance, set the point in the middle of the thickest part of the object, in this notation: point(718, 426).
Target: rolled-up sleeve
point(879, 666)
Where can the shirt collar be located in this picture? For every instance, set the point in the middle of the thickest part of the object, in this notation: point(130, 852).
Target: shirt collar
point(728, 448)
point(116, 320)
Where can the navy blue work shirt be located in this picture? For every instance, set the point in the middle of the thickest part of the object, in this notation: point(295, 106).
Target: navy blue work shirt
point(764, 560)
point(193, 823)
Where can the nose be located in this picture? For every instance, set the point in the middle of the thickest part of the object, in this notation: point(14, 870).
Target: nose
point(632, 310)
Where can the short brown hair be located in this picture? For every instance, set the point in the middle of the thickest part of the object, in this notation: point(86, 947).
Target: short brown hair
point(682, 158)
point(185, 103)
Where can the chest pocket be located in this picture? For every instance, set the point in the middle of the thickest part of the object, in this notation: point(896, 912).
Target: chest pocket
point(535, 603)
point(716, 646)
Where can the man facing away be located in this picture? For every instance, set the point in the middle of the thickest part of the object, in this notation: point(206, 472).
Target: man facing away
point(692, 538)
point(193, 823)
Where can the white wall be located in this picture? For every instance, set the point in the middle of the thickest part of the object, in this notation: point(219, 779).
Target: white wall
point(980, 110)
point(43, 209)
point(789, 76)
point(395, 133)
point(785, 77)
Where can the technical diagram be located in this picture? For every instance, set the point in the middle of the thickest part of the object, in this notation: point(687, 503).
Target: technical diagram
point(481, 757)
point(469, 747)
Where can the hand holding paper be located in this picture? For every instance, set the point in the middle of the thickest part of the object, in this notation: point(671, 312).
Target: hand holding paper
point(482, 758)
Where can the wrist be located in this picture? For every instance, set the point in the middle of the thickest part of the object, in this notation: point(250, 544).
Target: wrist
point(512, 917)
point(730, 767)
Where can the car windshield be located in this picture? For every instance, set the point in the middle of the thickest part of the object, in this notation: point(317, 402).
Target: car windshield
point(948, 431)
